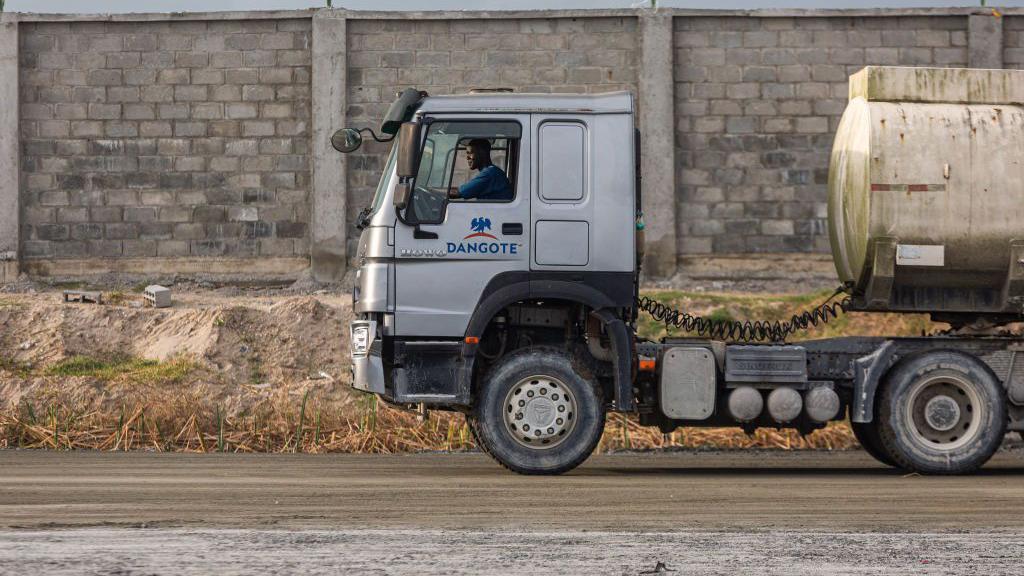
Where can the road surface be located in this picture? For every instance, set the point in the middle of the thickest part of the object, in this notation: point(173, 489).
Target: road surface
point(757, 512)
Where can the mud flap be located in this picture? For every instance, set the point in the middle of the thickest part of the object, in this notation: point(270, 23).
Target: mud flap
point(868, 371)
point(622, 359)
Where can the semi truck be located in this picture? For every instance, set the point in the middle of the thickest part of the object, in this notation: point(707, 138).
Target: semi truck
point(521, 311)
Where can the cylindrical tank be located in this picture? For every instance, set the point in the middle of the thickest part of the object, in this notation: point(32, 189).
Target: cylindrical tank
point(745, 403)
point(926, 190)
point(821, 404)
point(784, 404)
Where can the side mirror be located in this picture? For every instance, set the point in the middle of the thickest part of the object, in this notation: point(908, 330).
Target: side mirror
point(408, 150)
point(347, 140)
point(402, 192)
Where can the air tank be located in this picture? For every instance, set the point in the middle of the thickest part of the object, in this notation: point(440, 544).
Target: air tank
point(926, 192)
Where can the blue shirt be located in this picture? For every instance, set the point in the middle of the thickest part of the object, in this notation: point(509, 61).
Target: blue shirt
point(490, 184)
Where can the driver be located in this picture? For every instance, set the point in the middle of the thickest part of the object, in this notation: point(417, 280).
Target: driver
point(491, 183)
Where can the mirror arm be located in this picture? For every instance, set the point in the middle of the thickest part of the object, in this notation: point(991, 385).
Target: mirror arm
point(374, 135)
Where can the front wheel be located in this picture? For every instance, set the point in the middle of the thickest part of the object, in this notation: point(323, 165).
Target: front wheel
point(941, 413)
point(536, 415)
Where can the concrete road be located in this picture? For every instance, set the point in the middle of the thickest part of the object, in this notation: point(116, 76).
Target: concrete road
point(723, 512)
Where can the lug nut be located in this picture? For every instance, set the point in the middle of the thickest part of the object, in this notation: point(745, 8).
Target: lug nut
point(543, 392)
point(559, 421)
point(551, 430)
point(561, 408)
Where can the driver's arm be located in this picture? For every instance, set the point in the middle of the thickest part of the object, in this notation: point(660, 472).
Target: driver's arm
point(475, 187)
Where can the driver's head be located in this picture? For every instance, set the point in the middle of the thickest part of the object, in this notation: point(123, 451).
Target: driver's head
point(478, 153)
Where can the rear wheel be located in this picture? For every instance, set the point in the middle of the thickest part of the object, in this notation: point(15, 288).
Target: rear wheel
point(941, 413)
point(536, 415)
point(867, 434)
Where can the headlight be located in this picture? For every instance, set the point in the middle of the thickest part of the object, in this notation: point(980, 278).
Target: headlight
point(360, 339)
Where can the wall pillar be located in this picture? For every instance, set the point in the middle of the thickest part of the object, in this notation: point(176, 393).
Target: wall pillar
point(984, 40)
point(657, 127)
point(10, 163)
point(329, 229)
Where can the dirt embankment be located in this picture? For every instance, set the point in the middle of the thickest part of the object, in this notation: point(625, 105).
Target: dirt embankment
point(223, 348)
point(267, 370)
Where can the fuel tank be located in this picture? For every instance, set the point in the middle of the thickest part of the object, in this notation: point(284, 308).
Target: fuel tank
point(926, 191)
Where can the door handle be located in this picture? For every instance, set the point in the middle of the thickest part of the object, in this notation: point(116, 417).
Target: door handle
point(512, 229)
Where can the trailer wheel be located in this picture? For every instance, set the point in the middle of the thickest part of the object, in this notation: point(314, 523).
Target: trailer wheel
point(941, 413)
point(536, 415)
point(867, 434)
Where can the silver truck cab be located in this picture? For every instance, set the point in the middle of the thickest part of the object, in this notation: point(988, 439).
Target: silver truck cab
point(435, 271)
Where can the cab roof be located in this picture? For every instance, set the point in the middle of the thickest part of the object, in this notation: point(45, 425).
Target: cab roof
point(606, 103)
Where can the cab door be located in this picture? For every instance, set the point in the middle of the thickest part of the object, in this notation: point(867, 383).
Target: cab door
point(447, 251)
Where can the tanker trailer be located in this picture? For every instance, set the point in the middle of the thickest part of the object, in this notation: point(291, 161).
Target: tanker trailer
point(926, 193)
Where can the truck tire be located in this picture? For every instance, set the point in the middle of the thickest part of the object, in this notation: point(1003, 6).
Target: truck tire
point(535, 414)
point(867, 434)
point(941, 413)
point(474, 431)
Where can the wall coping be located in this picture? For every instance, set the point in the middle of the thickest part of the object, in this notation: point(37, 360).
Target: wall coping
point(510, 14)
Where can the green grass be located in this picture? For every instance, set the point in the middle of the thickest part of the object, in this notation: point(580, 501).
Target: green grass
point(125, 369)
point(12, 366)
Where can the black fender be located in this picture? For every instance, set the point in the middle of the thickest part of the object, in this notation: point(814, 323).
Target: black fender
point(601, 292)
point(867, 373)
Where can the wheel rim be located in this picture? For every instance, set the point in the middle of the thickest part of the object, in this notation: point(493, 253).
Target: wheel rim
point(540, 412)
point(944, 412)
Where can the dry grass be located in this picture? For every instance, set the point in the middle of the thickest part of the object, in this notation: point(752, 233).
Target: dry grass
point(309, 426)
point(160, 416)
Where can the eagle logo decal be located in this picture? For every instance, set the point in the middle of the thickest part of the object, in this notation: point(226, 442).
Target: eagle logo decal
point(479, 226)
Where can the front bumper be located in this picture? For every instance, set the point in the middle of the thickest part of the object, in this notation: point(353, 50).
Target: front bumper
point(368, 367)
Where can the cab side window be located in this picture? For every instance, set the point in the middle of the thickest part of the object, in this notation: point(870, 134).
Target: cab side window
point(464, 161)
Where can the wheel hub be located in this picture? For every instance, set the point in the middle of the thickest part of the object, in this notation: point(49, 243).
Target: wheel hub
point(942, 413)
point(945, 412)
point(540, 411)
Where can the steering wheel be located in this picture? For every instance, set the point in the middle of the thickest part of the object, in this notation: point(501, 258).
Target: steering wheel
point(427, 203)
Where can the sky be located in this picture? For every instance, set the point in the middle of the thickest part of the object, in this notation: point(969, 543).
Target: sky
point(80, 6)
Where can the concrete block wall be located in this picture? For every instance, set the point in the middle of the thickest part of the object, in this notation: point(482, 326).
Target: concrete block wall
point(758, 101)
point(453, 56)
point(199, 142)
point(165, 139)
point(1013, 41)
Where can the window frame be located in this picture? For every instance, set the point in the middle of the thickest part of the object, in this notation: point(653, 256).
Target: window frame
point(512, 166)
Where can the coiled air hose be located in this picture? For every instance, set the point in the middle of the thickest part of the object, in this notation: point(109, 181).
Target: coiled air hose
point(747, 330)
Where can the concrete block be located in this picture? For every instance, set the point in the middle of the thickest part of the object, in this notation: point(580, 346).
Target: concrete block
point(157, 296)
point(173, 111)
